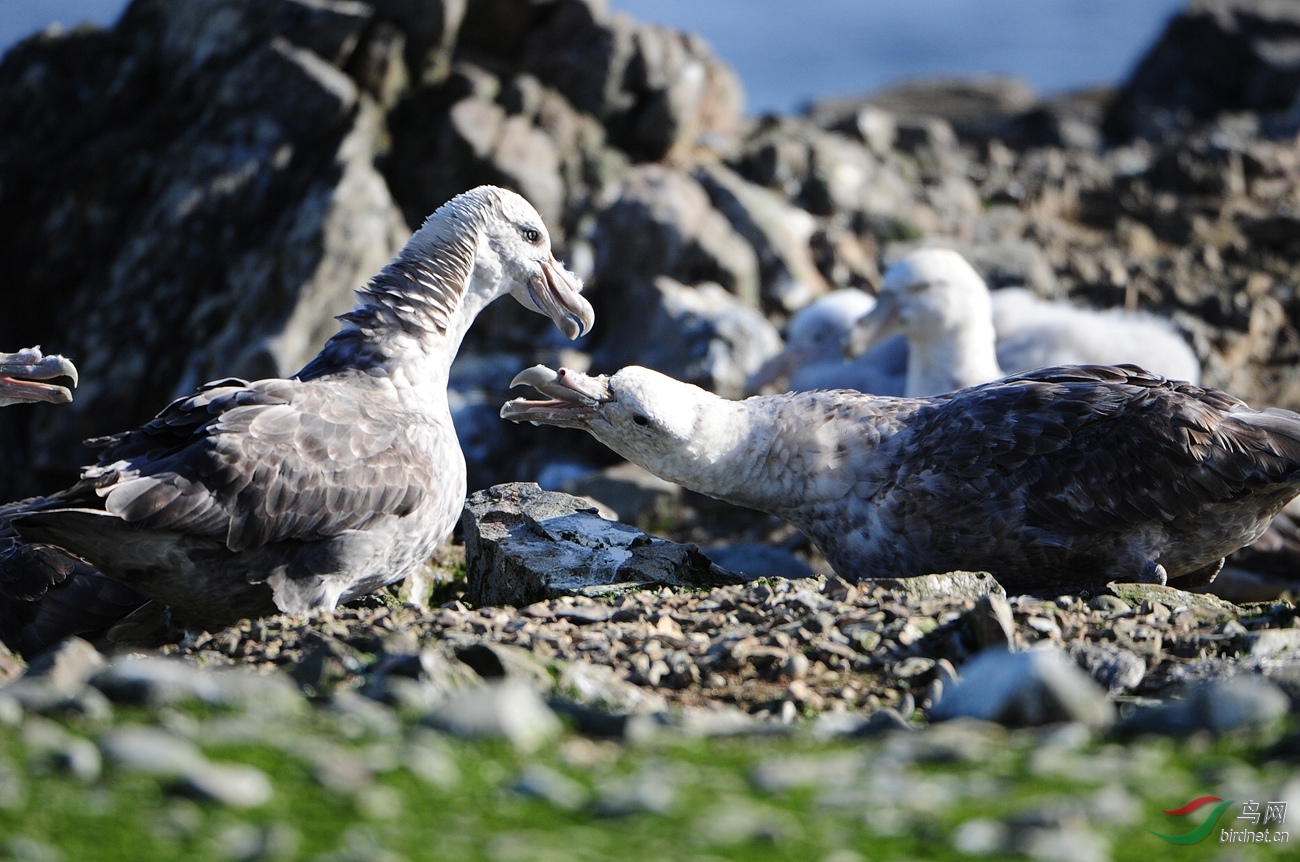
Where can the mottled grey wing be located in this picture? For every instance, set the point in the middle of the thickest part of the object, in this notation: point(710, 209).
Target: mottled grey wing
point(1105, 447)
point(266, 462)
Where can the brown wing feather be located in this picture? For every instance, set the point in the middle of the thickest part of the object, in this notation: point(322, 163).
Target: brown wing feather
point(264, 462)
point(1141, 449)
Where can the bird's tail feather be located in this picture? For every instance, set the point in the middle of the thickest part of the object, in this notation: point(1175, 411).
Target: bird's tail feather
point(47, 594)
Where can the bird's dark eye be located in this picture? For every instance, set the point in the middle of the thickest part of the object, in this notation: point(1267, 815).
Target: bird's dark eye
point(640, 420)
point(532, 234)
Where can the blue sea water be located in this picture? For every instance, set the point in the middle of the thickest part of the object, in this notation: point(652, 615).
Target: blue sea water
point(788, 52)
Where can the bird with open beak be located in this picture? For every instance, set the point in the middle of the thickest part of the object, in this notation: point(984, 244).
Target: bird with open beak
point(23, 375)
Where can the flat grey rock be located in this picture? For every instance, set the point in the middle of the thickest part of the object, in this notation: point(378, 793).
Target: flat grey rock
point(523, 545)
point(236, 785)
point(556, 788)
point(1171, 597)
point(151, 750)
point(510, 710)
point(56, 676)
point(57, 750)
point(155, 681)
point(652, 790)
point(1243, 703)
point(1039, 686)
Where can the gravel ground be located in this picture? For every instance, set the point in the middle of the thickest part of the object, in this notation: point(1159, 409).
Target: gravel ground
point(800, 719)
point(783, 649)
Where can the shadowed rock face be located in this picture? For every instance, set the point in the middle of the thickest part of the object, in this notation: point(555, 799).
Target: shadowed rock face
point(193, 195)
point(197, 191)
point(1217, 55)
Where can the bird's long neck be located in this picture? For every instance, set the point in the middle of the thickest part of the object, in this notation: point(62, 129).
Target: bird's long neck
point(778, 454)
point(954, 357)
point(411, 318)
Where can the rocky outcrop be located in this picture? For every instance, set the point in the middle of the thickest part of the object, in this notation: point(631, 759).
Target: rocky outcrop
point(233, 170)
point(193, 196)
point(1216, 56)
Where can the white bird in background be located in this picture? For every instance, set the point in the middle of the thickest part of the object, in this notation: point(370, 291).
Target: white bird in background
point(960, 335)
point(813, 357)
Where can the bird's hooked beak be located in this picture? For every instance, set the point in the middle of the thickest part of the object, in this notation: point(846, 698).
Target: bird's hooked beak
point(557, 293)
point(574, 397)
point(19, 373)
point(875, 326)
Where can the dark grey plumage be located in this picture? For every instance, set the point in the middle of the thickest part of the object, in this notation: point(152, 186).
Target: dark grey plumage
point(294, 494)
point(27, 623)
point(1067, 475)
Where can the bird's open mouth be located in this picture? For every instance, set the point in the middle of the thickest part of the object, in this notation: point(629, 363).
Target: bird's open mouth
point(558, 293)
point(21, 374)
point(574, 397)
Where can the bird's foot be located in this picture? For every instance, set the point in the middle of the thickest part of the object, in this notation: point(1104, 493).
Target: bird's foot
point(1153, 573)
point(1203, 576)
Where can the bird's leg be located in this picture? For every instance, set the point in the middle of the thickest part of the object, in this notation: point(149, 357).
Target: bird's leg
point(1153, 573)
point(1203, 576)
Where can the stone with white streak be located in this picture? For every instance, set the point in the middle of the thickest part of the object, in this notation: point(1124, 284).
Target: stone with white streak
point(523, 545)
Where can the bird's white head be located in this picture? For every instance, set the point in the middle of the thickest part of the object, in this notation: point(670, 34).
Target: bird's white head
point(817, 333)
point(487, 241)
point(671, 428)
point(927, 296)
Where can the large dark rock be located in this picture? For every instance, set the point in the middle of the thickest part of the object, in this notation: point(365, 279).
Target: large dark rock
point(523, 545)
point(1216, 56)
point(662, 223)
point(188, 196)
point(700, 334)
point(656, 90)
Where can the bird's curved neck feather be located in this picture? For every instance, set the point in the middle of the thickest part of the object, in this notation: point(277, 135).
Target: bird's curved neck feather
point(959, 356)
point(415, 312)
point(744, 452)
